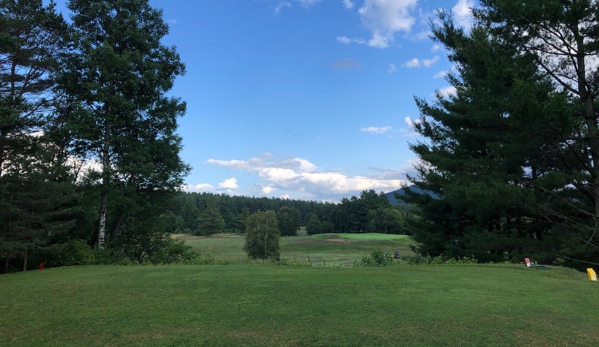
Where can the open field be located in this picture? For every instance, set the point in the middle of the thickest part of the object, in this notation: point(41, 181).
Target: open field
point(251, 305)
point(322, 249)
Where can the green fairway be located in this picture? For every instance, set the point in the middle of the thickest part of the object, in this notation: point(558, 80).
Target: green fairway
point(322, 250)
point(250, 305)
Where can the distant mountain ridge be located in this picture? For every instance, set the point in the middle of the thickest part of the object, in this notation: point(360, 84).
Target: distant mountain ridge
point(394, 201)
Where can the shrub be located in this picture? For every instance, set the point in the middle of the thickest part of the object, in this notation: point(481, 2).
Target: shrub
point(76, 252)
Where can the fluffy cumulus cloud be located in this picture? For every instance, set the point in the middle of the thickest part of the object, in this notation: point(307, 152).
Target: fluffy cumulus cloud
point(462, 13)
point(305, 178)
point(348, 4)
point(230, 185)
point(416, 63)
point(436, 48)
point(440, 74)
point(412, 63)
point(376, 130)
point(447, 91)
point(385, 18)
point(346, 64)
point(198, 188)
point(266, 190)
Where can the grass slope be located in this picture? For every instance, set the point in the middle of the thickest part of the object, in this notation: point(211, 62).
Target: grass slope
point(245, 305)
point(323, 249)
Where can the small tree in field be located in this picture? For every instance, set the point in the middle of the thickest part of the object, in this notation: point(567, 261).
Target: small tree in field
point(263, 236)
point(314, 226)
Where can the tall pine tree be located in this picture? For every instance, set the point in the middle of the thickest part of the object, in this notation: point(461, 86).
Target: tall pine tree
point(117, 81)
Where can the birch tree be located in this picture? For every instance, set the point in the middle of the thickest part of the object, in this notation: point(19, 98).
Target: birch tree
point(117, 81)
point(263, 236)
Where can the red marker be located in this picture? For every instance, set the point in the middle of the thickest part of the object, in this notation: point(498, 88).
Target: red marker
point(527, 261)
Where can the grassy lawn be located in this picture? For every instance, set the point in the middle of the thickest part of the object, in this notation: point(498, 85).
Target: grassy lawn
point(322, 250)
point(250, 305)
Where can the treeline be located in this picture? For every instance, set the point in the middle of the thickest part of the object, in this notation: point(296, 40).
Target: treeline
point(207, 213)
point(513, 155)
point(89, 155)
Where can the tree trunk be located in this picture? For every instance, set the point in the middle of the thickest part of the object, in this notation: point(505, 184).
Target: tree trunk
point(7, 263)
point(25, 260)
point(105, 183)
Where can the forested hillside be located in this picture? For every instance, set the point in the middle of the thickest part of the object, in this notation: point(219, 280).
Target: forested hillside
point(371, 211)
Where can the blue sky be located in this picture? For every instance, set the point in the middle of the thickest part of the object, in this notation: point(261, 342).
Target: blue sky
point(307, 99)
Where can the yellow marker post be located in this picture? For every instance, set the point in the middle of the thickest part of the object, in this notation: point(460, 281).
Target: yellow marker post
point(592, 275)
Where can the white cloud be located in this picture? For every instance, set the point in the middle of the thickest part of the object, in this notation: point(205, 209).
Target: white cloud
point(376, 130)
point(436, 48)
point(172, 21)
point(416, 63)
point(267, 190)
point(348, 4)
point(429, 62)
point(308, 3)
point(412, 63)
point(392, 68)
point(386, 17)
point(286, 197)
point(346, 40)
point(462, 13)
point(198, 188)
point(447, 91)
point(280, 6)
point(411, 122)
point(440, 74)
point(229, 184)
point(300, 175)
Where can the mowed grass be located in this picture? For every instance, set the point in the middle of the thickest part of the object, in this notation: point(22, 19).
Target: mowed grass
point(321, 250)
point(250, 305)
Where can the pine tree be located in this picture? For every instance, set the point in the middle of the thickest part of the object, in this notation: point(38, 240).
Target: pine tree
point(489, 155)
point(241, 220)
point(314, 226)
point(289, 221)
point(117, 83)
point(36, 187)
point(210, 220)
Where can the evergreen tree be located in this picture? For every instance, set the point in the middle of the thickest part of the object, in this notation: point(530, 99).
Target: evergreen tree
point(490, 156)
point(36, 187)
point(241, 220)
point(289, 221)
point(210, 220)
point(263, 236)
point(314, 226)
point(117, 83)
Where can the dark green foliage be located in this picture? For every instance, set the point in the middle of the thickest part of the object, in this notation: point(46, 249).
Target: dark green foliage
point(327, 227)
point(314, 226)
point(289, 221)
point(263, 236)
point(241, 220)
point(74, 253)
point(117, 83)
point(376, 258)
point(210, 221)
point(385, 220)
point(505, 155)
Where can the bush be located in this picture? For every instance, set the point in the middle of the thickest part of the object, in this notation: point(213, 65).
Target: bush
point(74, 253)
point(376, 258)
